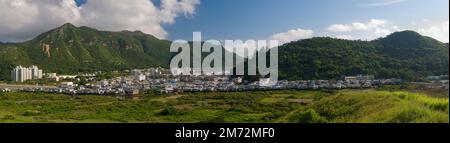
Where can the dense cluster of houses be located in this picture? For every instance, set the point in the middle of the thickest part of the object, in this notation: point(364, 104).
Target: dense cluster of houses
point(161, 80)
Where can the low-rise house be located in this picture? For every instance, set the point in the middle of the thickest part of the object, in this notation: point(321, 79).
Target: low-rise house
point(67, 85)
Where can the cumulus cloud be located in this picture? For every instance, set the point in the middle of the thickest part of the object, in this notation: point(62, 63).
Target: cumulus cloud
point(375, 28)
point(21, 19)
point(292, 35)
point(171, 8)
point(369, 30)
point(283, 38)
point(435, 29)
point(24, 19)
point(346, 37)
point(372, 24)
point(340, 28)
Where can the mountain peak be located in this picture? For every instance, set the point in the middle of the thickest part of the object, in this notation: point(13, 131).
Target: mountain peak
point(66, 26)
point(64, 29)
point(408, 39)
point(134, 32)
point(406, 33)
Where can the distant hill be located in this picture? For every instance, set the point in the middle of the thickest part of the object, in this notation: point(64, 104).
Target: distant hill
point(70, 49)
point(406, 55)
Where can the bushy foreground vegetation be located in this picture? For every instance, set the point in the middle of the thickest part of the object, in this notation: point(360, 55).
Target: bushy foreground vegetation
point(248, 107)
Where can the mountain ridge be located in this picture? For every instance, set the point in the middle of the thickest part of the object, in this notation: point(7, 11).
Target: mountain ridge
point(71, 49)
point(406, 55)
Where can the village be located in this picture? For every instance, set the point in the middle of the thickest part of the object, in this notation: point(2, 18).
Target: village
point(161, 80)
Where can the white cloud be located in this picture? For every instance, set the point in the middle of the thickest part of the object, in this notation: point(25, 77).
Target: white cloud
point(292, 35)
point(374, 28)
point(359, 26)
point(438, 30)
point(24, 19)
point(346, 37)
point(340, 28)
point(356, 26)
point(171, 8)
point(283, 38)
point(21, 19)
point(382, 3)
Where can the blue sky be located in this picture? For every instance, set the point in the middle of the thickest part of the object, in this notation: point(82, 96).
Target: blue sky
point(284, 20)
point(246, 19)
point(80, 2)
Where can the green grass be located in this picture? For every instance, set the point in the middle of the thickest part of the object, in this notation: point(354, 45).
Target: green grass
point(359, 106)
point(383, 106)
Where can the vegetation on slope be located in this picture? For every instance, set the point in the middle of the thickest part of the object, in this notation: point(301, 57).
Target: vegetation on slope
point(70, 49)
point(381, 107)
point(249, 107)
point(405, 55)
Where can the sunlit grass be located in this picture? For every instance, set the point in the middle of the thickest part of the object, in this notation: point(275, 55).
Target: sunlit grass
point(354, 106)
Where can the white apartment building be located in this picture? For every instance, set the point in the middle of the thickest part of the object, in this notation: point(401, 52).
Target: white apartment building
point(21, 74)
point(36, 73)
point(140, 77)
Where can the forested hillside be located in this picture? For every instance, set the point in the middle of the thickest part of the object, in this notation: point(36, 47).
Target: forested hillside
point(405, 55)
point(70, 49)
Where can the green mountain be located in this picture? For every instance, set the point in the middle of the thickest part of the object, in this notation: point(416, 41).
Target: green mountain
point(406, 55)
point(70, 49)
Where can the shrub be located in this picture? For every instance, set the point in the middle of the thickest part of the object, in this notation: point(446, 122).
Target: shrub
point(9, 117)
point(169, 111)
point(308, 116)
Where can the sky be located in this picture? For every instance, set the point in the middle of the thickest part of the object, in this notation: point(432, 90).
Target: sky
point(284, 20)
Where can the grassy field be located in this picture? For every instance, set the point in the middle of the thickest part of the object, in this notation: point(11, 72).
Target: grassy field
point(344, 106)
